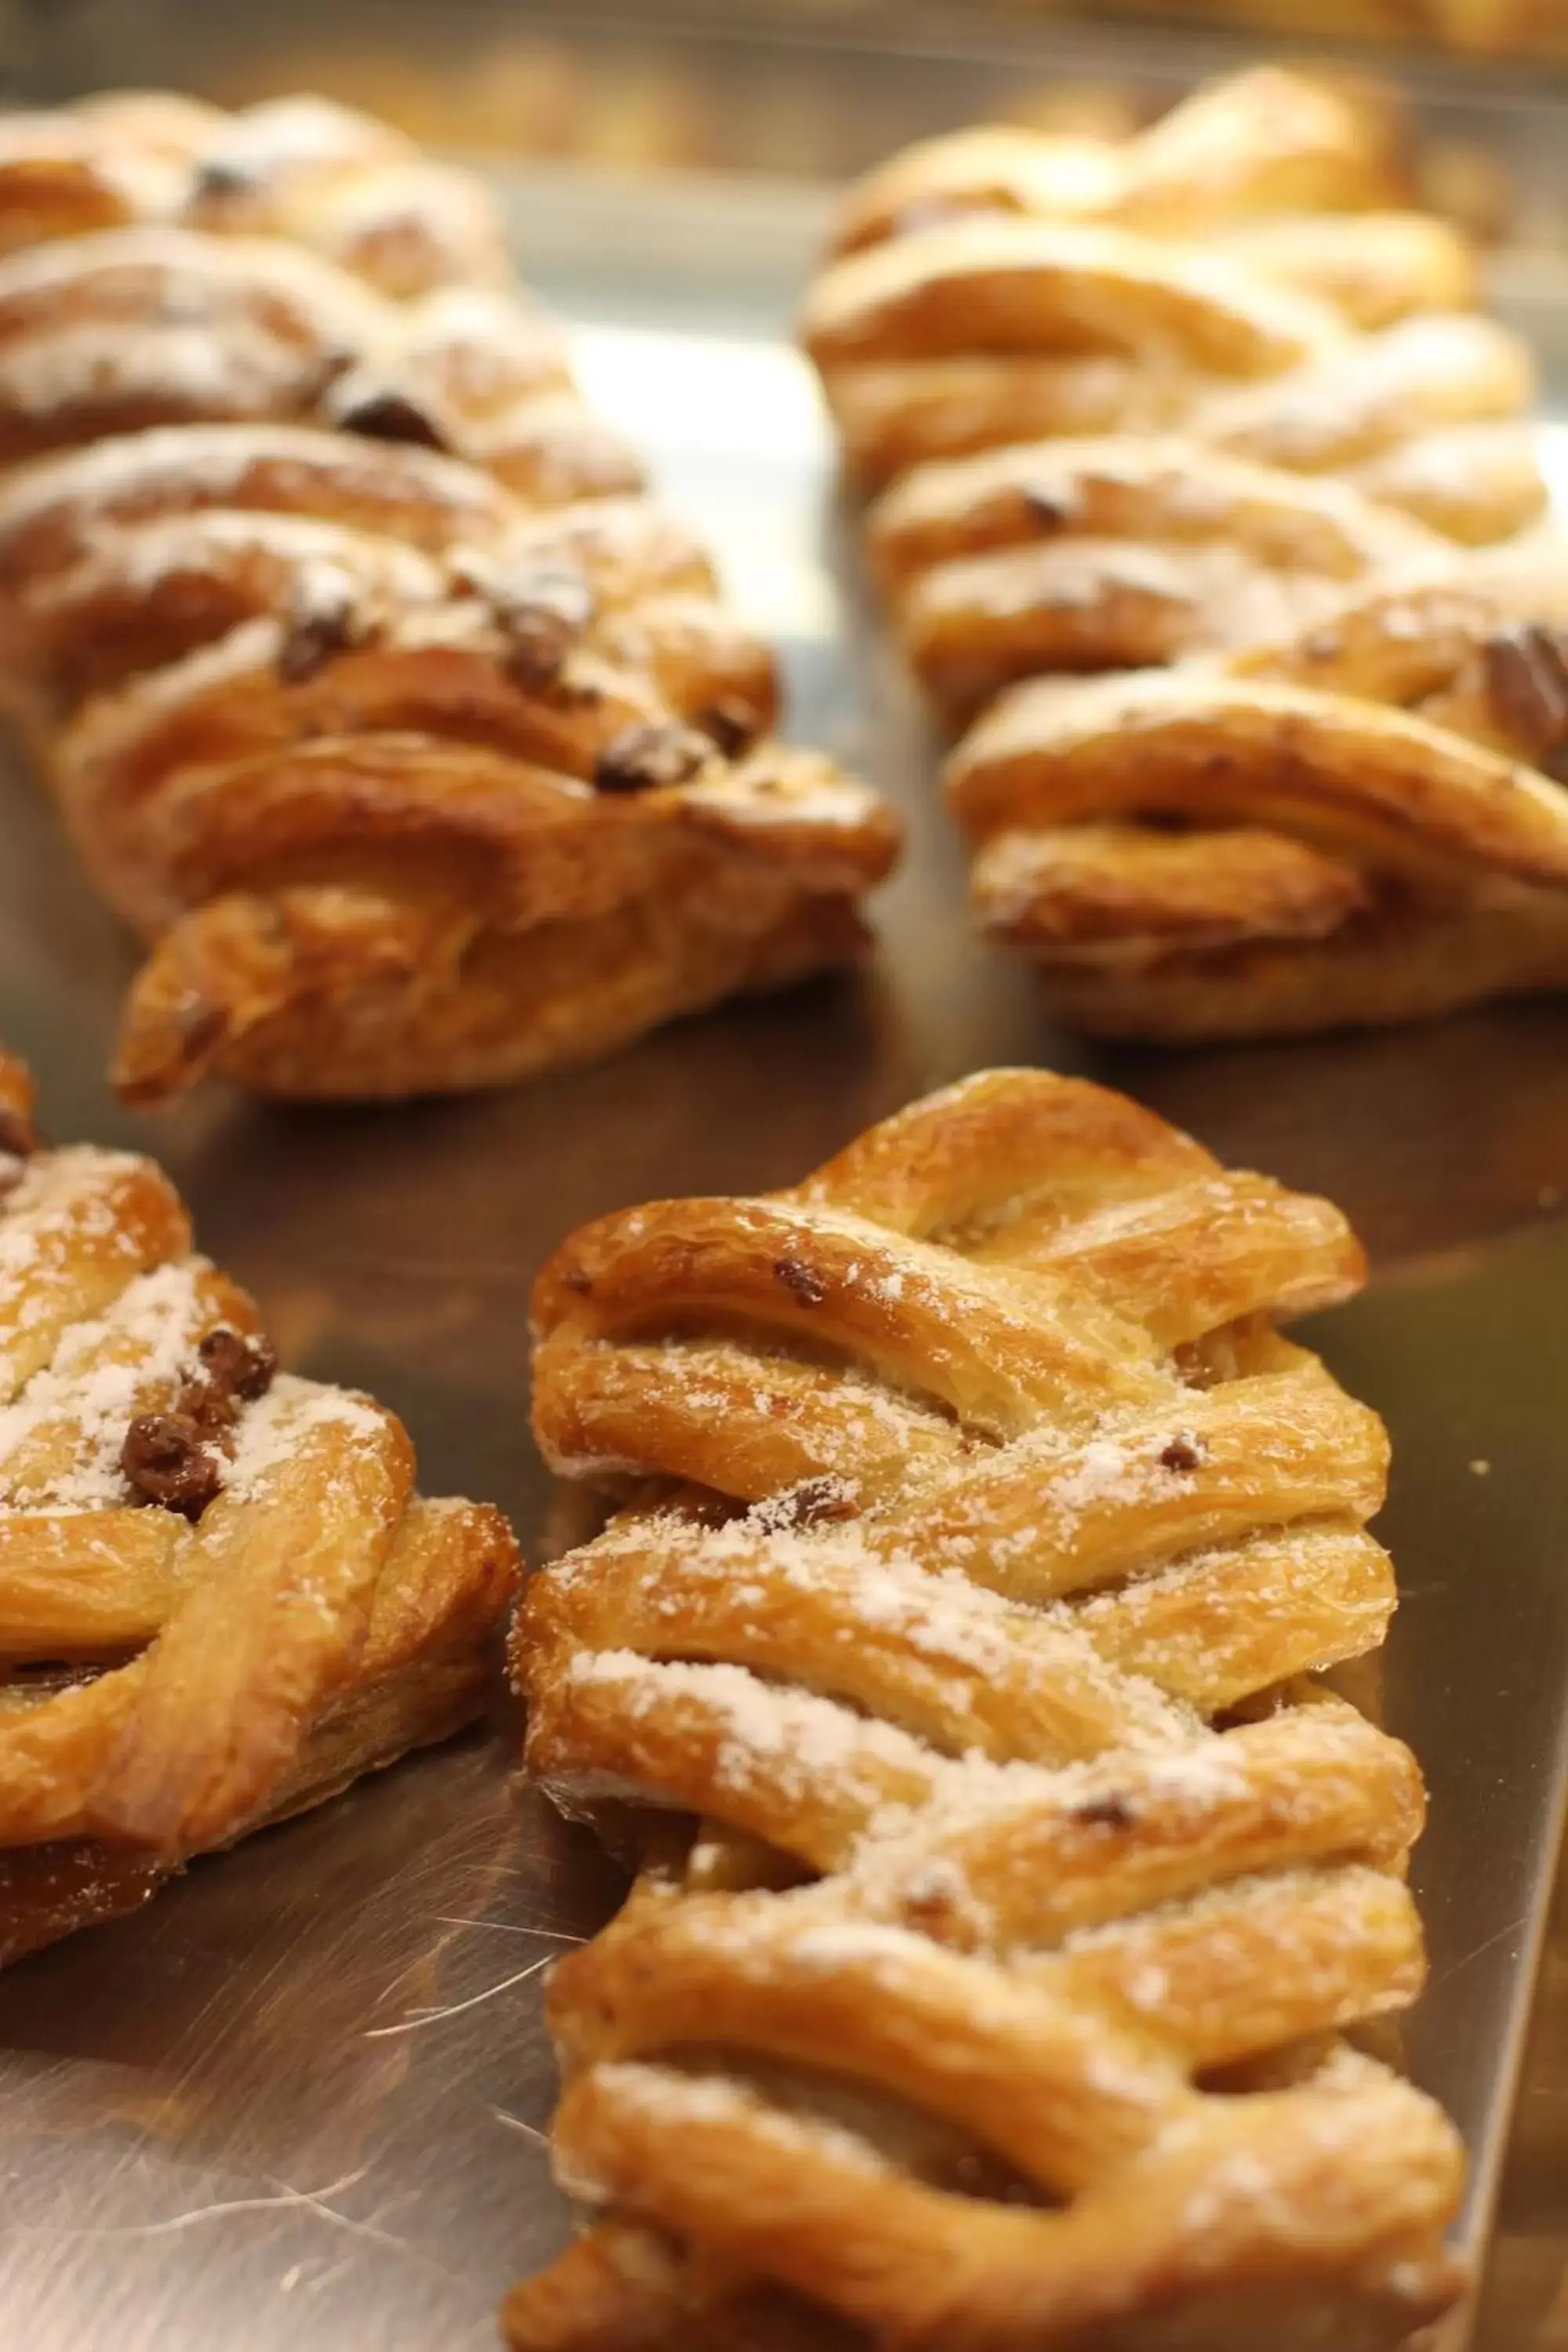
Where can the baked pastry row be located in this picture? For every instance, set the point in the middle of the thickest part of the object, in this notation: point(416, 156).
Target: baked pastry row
point(304, 169)
point(950, 1661)
point(376, 692)
point(1285, 461)
point(222, 1598)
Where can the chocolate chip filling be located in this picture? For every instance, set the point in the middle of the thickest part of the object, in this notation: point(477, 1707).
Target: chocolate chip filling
point(1527, 680)
point(1184, 1452)
point(176, 1459)
point(650, 758)
point(237, 1363)
point(542, 610)
point(800, 1281)
point(319, 628)
point(733, 724)
point(168, 1462)
point(1111, 1811)
point(543, 633)
point(223, 179)
point(1052, 508)
point(381, 413)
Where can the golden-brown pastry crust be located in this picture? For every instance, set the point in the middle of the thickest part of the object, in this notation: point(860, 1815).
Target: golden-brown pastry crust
point(1220, 274)
point(993, 1529)
point(1085, 554)
point(1368, 824)
point(971, 335)
point(376, 693)
point(1217, 430)
point(303, 169)
point(221, 1598)
point(1264, 143)
point(135, 328)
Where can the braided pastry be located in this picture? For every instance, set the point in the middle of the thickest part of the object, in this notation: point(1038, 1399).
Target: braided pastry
point(221, 1599)
point(1269, 142)
point(1124, 450)
point(352, 189)
point(993, 1537)
point(1088, 554)
point(421, 773)
point(984, 297)
point(1358, 823)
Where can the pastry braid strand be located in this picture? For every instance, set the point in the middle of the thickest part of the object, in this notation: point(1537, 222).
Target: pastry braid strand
point(1355, 823)
point(1008, 1878)
point(221, 1597)
point(303, 169)
point(378, 695)
point(1201, 400)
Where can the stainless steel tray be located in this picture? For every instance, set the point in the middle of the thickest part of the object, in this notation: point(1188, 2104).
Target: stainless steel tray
point(298, 2105)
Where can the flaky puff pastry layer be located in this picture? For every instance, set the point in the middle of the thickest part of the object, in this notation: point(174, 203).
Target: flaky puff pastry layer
point(375, 690)
point(1270, 142)
point(303, 168)
point(1220, 275)
point(1357, 823)
point(983, 1986)
point(222, 1598)
point(1088, 554)
point(1212, 428)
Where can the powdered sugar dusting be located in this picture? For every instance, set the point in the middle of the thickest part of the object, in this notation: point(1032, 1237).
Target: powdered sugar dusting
point(90, 1393)
point(273, 1429)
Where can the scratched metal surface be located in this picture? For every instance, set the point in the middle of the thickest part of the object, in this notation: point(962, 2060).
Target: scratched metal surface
point(297, 2106)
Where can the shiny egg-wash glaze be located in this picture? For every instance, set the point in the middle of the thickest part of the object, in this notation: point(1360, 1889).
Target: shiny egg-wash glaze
point(1008, 1878)
point(1278, 441)
point(377, 694)
point(222, 1599)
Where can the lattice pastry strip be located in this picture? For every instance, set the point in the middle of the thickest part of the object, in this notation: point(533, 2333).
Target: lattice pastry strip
point(1258, 148)
point(994, 1999)
point(1086, 554)
point(303, 168)
point(220, 1596)
point(416, 776)
point(984, 299)
point(1121, 448)
point(1356, 822)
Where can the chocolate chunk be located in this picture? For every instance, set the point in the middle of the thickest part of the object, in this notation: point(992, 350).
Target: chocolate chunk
point(540, 641)
point(319, 629)
point(164, 1459)
point(516, 596)
point(647, 759)
point(1527, 680)
point(223, 179)
point(210, 1410)
point(800, 1281)
point(1111, 1811)
point(237, 1364)
point(1053, 508)
point(385, 413)
point(733, 724)
point(1184, 1452)
point(578, 1281)
point(541, 609)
